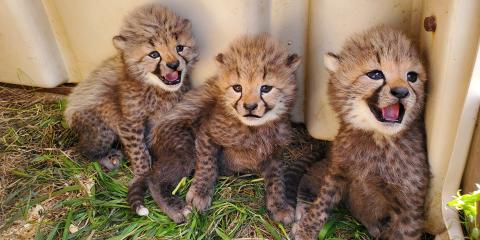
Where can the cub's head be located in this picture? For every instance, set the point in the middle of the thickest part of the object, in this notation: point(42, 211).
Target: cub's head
point(157, 46)
point(377, 81)
point(257, 78)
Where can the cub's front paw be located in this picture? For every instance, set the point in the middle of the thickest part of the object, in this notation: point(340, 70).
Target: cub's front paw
point(300, 232)
point(177, 216)
point(283, 213)
point(178, 211)
point(199, 197)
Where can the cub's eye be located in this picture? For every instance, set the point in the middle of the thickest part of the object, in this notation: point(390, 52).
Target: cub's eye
point(265, 89)
point(412, 76)
point(376, 75)
point(237, 88)
point(180, 48)
point(154, 54)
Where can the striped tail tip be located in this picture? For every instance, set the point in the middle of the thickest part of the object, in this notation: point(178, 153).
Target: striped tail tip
point(142, 211)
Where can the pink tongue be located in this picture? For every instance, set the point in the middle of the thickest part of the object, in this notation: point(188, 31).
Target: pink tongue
point(390, 113)
point(172, 76)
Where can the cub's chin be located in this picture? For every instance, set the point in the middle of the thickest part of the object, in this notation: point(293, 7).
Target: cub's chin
point(255, 120)
point(252, 120)
point(171, 82)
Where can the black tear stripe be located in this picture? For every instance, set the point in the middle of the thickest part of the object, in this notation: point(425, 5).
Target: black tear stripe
point(184, 59)
point(267, 107)
point(236, 102)
point(264, 72)
point(157, 69)
point(373, 100)
point(413, 89)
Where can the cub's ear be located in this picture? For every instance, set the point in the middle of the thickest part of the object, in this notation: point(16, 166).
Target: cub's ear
point(185, 25)
point(331, 62)
point(220, 58)
point(119, 42)
point(293, 61)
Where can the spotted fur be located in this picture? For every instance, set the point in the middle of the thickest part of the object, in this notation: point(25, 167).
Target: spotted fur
point(147, 76)
point(238, 126)
point(378, 168)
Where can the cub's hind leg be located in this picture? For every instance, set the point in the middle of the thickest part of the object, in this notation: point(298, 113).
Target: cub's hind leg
point(96, 139)
point(407, 219)
point(276, 196)
point(175, 207)
point(406, 225)
point(309, 187)
point(169, 170)
point(368, 203)
point(161, 182)
point(317, 213)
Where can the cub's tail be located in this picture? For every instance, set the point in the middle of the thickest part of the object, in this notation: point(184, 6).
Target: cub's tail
point(136, 195)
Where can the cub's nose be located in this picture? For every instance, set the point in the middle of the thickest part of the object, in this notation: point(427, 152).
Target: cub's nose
point(173, 65)
point(399, 92)
point(250, 106)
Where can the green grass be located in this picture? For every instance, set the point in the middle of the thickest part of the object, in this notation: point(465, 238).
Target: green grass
point(48, 191)
point(467, 205)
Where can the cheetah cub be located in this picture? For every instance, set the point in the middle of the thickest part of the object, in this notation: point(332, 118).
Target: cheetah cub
point(147, 76)
point(241, 117)
point(378, 163)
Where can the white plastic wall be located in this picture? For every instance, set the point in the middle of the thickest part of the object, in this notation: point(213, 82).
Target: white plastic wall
point(28, 50)
point(45, 43)
point(453, 102)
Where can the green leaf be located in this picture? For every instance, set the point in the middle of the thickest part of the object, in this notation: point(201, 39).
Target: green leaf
point(180, 184)
point(284, 232)
point(467, 203)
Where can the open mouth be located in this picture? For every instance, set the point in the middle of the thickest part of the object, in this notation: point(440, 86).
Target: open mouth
point(251, 115)
point(172, 78)
point(390, 114)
